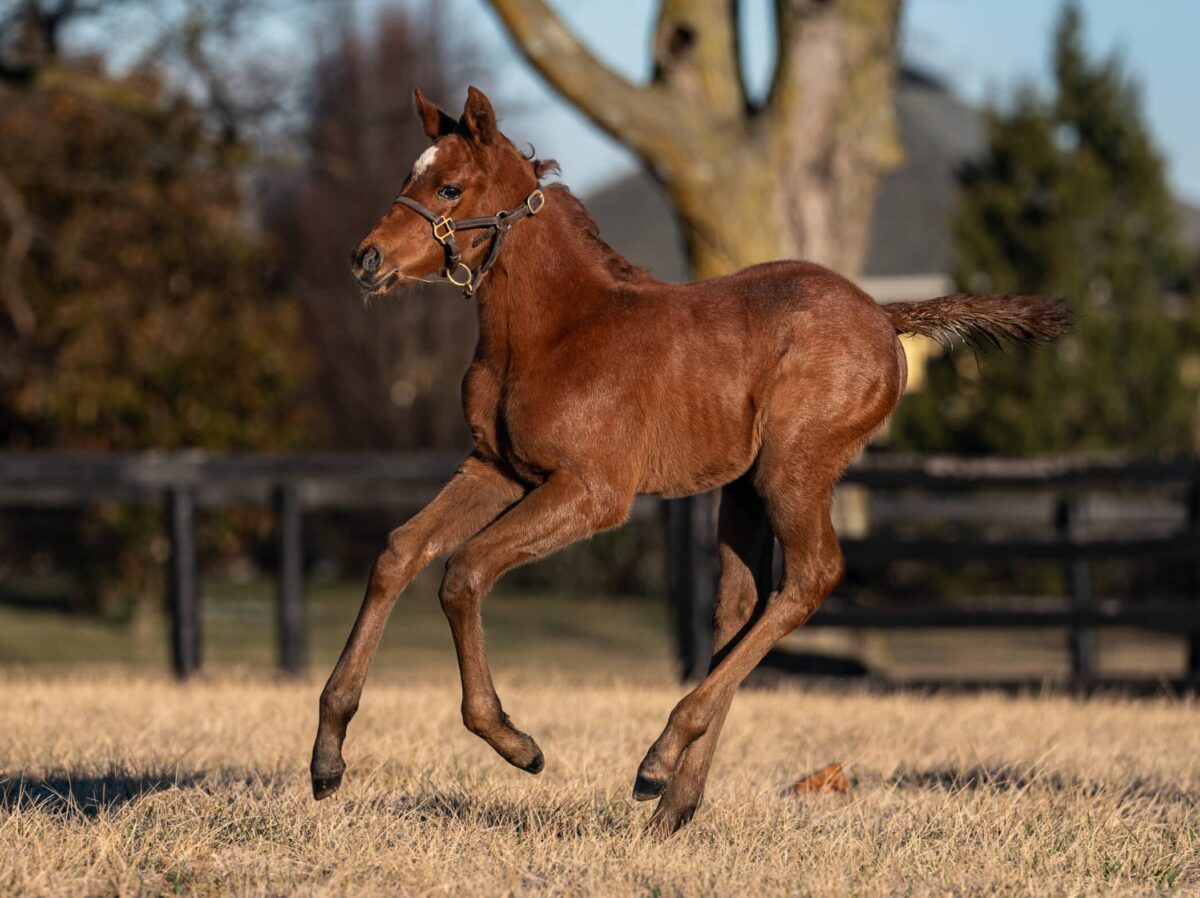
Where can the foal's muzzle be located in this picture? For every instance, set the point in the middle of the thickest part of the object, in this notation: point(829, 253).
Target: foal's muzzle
point(365, 265)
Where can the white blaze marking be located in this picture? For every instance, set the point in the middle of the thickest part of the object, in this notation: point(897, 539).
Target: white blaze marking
point(424, 161)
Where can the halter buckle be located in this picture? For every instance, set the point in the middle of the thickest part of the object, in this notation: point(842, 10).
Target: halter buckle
point(443, 228)
point(535, 201)
point(449, 274)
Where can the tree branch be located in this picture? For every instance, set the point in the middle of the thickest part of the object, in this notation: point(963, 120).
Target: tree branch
point(827, 45)
point(696, 55)
point(637, 116)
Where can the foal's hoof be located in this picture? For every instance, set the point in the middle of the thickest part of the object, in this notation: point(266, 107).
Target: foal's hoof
point(516, 747)
point(666, 820)
point(645, 788)
point(526, 756)
point(324, 786)
point(536, 765)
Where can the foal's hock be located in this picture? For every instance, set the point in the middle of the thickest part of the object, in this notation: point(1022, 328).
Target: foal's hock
point(592, 383)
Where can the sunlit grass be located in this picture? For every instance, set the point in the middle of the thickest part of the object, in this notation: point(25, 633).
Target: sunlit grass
point(116, 781)
point(120, 784)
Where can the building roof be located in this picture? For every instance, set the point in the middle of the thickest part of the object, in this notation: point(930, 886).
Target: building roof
point(636, 219)
point(910, 228)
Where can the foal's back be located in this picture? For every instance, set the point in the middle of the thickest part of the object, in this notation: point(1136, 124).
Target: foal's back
point(703, 366)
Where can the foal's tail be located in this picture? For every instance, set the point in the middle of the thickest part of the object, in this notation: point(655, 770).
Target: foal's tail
point(983, 320)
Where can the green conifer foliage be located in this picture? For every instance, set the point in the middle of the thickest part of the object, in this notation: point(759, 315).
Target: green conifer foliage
point(1070, 199)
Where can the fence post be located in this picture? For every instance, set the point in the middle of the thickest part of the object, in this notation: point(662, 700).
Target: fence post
point(183, 582)
point(1082, 641)
point(292, 617)
point(1193, 636)
point(691, 579)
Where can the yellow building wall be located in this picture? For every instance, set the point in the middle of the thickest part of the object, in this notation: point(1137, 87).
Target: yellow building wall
point(918, 350)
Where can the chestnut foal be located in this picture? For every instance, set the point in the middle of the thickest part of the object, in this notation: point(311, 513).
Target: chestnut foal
point(593, 383)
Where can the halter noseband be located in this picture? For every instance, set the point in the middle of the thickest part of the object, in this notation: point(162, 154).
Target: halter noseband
point(456, 270)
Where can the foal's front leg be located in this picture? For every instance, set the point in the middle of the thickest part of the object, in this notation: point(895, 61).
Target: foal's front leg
point(468, 502)
point(559, 512)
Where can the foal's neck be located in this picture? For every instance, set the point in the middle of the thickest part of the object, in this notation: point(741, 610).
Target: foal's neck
point(550, 273)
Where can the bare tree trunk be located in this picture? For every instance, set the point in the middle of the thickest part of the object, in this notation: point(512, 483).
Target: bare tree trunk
point(793, 178)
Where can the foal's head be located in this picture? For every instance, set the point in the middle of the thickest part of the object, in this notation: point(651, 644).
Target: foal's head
point(470, 170)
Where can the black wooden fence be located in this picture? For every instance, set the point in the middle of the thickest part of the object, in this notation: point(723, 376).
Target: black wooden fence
point(297, 484)
point(1067, 482)
point(183, 482)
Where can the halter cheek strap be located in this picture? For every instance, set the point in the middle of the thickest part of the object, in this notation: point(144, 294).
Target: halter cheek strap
point(456, 271)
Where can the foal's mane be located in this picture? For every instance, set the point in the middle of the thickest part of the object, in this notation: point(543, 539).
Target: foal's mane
point(583, 223)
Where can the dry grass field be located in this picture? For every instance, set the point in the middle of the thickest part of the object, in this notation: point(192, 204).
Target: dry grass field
point(116, 781)
point(120, 783)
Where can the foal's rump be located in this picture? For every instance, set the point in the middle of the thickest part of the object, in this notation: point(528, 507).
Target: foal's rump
point(983, 319)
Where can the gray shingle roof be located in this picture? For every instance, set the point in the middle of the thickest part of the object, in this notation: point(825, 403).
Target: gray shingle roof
point(636, 220)
point(910, 231)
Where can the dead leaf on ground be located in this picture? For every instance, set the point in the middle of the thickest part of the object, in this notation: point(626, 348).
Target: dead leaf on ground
point(830, 778)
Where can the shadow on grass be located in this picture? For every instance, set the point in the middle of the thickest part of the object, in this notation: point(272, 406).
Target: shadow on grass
point(1000, 779)
point(86, 796)
point(568, 820)
point(1007, 779)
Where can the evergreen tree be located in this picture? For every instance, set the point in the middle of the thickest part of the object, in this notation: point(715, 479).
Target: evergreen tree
point(1070, 199)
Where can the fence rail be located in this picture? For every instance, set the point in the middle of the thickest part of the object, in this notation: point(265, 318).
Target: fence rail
point(297, 484)
point(1068, 480)
point(183, 482)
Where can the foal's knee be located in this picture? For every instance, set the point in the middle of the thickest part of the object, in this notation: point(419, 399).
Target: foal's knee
point(733, 612)
point(404, 556)
point(809, 588)
point(462, 587)
point(830, 570)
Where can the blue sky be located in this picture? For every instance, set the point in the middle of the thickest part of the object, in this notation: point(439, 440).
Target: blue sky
point(980, 48)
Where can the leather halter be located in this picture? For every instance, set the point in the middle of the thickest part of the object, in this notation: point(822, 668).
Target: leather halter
point(456, 270)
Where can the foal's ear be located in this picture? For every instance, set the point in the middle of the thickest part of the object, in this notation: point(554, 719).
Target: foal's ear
point(478, 119)
point(436, 123)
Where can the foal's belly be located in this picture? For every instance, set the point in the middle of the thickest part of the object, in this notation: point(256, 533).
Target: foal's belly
point(701, 447)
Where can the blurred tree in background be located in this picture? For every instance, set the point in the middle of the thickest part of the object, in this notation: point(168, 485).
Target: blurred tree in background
point(140, 305)
point(143, 307)
point(142, 312)
point(301, 155)
point(1070, 199)
point(789, 175)
point(386, 375)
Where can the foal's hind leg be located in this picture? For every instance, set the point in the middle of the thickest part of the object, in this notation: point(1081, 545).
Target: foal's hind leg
point(812, 567)
point(468, 502)
point(821, 414)
point(557, 513)
point(745, 542)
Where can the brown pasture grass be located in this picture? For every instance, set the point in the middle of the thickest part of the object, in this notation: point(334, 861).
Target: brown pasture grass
point(114, 783)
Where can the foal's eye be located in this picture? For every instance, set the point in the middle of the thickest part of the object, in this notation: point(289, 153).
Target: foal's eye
point(450, 192)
